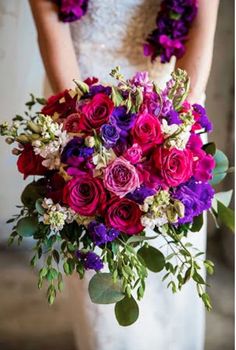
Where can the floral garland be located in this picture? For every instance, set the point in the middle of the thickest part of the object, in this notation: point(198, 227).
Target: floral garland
point(172, 25)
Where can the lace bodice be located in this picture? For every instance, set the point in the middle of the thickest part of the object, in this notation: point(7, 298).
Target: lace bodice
point(112, 33)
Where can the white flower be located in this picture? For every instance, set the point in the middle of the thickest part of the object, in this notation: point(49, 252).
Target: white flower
point(168, 130)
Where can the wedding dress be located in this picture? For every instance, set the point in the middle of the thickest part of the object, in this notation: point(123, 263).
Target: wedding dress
point(111, 34)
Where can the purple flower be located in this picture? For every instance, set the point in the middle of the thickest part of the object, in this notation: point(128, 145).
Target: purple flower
point(172, 27)
point(97, 89)
point(173, 117)
point(122, 119)
point(90, 260)
point(75, 152)
point(109, 134)
point(140, 194)
point(100, 234)
point(196, 197)
point(71, 10)
point(203, 119)
point(141, 79)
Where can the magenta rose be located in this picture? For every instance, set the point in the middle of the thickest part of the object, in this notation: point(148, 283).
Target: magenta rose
point(124, 215)
point(121, 177)
point(174, 166)
point(147, 131)
point(96, 112)
point(85, 195)
point(134, 154)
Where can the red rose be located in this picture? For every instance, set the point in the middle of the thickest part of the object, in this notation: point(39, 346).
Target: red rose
point(72, 123)
point(124, 215)
point(96, 112)
point(85, 195)
point(175, 166)
point(63, 104)
point(147, 131)
point(29, 163)
point(54, 187)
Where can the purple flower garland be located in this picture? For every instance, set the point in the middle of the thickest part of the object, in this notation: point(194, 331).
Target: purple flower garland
point(172, 25)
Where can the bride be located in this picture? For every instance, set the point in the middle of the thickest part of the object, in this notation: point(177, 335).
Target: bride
point(111, 34)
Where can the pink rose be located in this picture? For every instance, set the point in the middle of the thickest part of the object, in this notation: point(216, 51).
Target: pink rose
point(147, 131)
point(124, 215)
point(134, 154)
point(174, 166)
point(85, 195)
point(96, 112)
point(121, 177)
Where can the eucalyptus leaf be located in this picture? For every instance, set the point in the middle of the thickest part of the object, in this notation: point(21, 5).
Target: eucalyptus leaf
point(134, 239)
point(223, 197)
point(222, 165)
point(197, 223)
point(210, 148)
point(226, 215)
point(27, 226)
point(31, 193)
point(38, 206)
point(103, 290)
point(126, 311)
point(153, 258)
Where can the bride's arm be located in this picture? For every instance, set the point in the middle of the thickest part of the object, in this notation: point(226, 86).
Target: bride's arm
point(55, 44)
point(199, 49)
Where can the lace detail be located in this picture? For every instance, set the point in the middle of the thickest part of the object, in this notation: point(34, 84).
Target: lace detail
point(112, 33)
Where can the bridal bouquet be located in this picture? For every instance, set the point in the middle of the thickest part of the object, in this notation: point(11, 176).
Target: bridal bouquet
point(121, 179)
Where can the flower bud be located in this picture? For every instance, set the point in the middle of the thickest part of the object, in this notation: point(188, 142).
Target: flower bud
point(179, 207)
point(16, 152)
point(9, 140)
point(90, 141)
point(34, 127)
point(23, 138)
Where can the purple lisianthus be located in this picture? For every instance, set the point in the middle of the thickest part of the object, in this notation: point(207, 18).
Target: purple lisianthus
point(123, 120)
point(90, 260)
point(140, 194)
point(196, 197)
point(203, 118)
point(109, 134)
point(71, 10)
point(100, 234)
point(75, 152)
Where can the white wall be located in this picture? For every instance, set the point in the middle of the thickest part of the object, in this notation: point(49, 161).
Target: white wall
point(21, 72)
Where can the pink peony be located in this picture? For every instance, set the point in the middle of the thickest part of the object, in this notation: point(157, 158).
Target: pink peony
point(85, 195)
point(174, 166)
point(134, 154)
point(147, 131)
point(121, 177)
point(124, 215)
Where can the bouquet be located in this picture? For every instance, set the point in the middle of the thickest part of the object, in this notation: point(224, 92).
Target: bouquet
point(121, 179)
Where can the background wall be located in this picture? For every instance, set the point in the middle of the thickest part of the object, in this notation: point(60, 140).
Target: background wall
point(21, 305)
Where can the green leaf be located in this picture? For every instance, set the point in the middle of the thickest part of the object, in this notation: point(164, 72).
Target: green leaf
point(126, 311)
point(226, 215)
point(222, 165)
point(198, 278)
point(153, 258)
point(134, 239)
point(103, 290)
point(210, 148)
point(27, 226)
point(223, 197)
point(31, 193)
point(38, 206)
point(197, 223)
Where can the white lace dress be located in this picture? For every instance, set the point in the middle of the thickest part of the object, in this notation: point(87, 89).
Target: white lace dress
point(111, 34)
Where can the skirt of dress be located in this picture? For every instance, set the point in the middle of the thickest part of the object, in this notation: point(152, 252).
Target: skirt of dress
point(167, 321)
